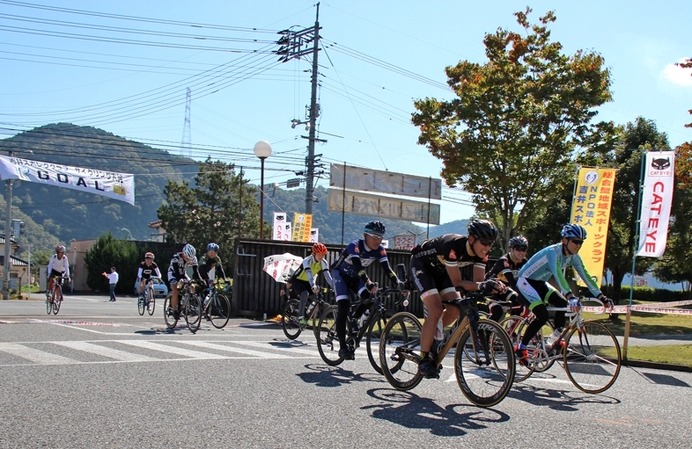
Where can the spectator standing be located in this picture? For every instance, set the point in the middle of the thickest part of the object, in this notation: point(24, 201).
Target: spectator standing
point(112, 281)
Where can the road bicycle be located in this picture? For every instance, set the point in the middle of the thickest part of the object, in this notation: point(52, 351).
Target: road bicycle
point(54, 296)
point(147, 301)
point(189, 305)
point(290, 320)
point(369, 326)
point(483, 355)
point(587, 350)
point(216, 306)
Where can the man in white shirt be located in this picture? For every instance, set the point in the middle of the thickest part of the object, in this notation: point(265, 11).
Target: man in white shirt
point(112, 281)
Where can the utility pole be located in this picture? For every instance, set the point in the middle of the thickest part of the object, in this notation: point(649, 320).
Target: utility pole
point(8, 240)
point(293, 45)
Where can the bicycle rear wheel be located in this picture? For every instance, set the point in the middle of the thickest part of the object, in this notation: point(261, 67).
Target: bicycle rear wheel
point(289, 319)
point(399, 351)
point(168, 317)
point(327, 340)
point(49, 305)
point(219, 311)
point(484, 368)
point(193, 311)
point(514, 327)
point(592, 358)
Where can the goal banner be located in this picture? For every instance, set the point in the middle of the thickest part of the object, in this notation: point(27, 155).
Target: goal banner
point(114, 185)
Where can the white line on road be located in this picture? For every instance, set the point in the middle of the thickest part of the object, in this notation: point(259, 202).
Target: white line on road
point(171, 349)
point(35, 355)
point(116, 354)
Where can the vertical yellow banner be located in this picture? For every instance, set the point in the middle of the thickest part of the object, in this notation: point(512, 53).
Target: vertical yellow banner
point(591, 209)
point(302, 223)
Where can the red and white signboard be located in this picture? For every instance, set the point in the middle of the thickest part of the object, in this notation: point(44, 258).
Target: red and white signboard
point(657, 197)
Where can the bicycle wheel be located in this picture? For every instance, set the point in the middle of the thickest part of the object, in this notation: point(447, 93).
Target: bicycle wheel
point(151, 301)
point(327, 341)
point(592, 358)
point(372, 340)
point(168, 317)
point(192, 311)
point(219, 310)
point(514, 327)
point(141, 305)
point(57, 299)
point(486, 377)
point(289, 319)
point(399, 351)
point(49, 304)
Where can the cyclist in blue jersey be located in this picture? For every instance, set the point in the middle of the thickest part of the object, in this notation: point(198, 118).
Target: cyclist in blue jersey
point(349, 275)
point(533, 284)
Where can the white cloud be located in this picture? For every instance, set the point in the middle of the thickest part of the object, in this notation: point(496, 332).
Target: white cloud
point(677, 75)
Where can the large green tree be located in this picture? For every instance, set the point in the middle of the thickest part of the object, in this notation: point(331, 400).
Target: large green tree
point(219, 207)
point(519, 120)
point(108, 252)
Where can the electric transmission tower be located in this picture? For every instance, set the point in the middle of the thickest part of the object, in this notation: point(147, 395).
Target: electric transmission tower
point(186, 141)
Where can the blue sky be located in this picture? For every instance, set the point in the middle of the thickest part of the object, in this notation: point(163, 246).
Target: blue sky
point(378, 57)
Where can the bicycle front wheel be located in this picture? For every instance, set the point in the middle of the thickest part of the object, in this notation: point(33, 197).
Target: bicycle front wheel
point(49, 305)
point(141, 305)
point(484, 364)
point(399, 351)
point(168, 316)
point(372, 340)
point(219, 311)
point(193, 312)
point(151, 301)
point(592, 357)
point(327, 340)
point(57, 300)
point(289, 319)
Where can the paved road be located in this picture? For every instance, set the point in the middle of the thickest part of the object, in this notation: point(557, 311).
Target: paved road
point(98, 375)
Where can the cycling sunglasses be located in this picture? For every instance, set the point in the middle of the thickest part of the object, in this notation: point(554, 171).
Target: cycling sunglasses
point(521, 248)
point(486, 242)
point(577, 241)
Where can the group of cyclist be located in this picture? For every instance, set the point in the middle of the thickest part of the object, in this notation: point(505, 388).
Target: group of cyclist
point(435, 271)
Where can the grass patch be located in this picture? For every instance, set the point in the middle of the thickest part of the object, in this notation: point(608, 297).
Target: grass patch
point(671, 355)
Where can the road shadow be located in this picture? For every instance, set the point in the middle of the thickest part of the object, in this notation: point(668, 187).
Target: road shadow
point(333, 376)
point(414, 412)
point(557, 399)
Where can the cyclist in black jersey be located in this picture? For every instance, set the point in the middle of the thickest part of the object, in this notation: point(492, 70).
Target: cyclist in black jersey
point(176, 273)
point(435, 270)
point(147, 269)
point(211, 268)
point(506, 270)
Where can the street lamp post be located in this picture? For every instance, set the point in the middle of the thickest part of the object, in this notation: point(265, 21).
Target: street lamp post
point(262, 150)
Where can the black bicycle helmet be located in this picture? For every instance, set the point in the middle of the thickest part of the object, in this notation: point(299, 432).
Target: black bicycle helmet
point(483, 229)
point(375, 228)
point(518, 241)
point(213, 247)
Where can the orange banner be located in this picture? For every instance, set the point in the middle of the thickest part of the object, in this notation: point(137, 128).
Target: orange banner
point(302, 224)
point(591, 209)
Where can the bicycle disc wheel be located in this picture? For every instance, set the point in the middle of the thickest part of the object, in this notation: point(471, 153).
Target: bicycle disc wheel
point(484, 370)
point(399, 351)
point(193, 312)
point(168, 314)
point(141, 305)
point(592, 358)
point(372, 340)
point(327, 341)
point(151, 301)
point(289, 319)
point(219, 311)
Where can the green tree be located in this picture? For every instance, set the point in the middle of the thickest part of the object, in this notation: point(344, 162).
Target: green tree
point(108, 252)
point(220, 207)
point(512, 134)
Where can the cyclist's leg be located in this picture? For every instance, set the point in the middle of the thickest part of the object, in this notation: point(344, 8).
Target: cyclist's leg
point(343, 302)
point(174, 296)
point(534, 292)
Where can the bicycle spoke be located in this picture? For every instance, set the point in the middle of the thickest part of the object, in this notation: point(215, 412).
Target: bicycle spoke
point(219, 310)
point(399, 351)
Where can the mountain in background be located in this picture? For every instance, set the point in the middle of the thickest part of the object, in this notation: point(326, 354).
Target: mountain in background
point(54, 215)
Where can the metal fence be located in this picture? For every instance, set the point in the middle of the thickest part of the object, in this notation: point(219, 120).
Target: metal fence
point(256, 294)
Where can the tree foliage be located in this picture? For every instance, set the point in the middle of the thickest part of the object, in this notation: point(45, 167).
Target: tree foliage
point(108, 252)
point(511, 136)
point(219, 207)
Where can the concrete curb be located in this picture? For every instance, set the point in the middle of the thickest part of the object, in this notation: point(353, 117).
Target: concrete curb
point(654, 365)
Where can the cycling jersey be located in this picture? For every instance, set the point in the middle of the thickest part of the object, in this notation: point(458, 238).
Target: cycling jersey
point(446, 250)
point(58, 267)
point(146, 271)
point(207, 270)
point(552, 261)
point(506, 270)
point(176, 269)
point(310, 268)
